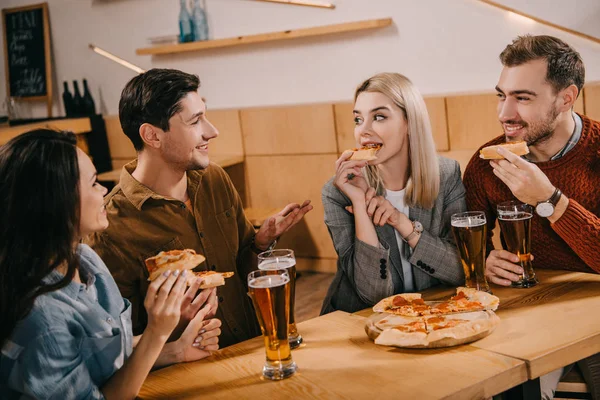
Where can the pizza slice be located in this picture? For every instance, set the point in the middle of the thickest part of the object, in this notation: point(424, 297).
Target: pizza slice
point(366, 153)
point(185, 260)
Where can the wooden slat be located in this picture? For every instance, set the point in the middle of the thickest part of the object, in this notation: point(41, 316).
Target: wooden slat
point(592, 101)
point(119, 144)
point(266, 37)
point(75, 125)
point(305, 129)
point(339, 361)
point(472, 120)
point(344, 123)
point(579, 104)
point(229, 140)
point(276, 181)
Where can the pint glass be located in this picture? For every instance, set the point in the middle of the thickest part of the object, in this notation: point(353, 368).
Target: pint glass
point(270, 293)
point(469, 230)
point(515, 225)
point(284, 259)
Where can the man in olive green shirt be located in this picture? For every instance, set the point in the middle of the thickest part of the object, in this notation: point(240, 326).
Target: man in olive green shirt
point(172, 197)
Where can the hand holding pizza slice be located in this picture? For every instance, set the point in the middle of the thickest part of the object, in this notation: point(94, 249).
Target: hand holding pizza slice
point(185, 260)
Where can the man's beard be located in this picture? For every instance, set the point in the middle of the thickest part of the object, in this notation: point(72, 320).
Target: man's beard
point(539, 131)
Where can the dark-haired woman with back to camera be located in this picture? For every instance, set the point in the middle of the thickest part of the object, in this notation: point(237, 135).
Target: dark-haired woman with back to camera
point(65, 330)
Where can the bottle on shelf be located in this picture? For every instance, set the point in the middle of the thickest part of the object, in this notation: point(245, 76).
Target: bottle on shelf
point(89, 106)
point(67, 100)
point(186, 25)
point(77, 101)
point(200, 21)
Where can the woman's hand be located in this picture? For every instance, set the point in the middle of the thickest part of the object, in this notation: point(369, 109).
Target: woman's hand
point(200, 338)
point(163, 302)
point(381, 211)
point(349, 178)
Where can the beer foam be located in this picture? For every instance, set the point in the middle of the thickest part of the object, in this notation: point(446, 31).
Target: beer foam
point(513, 216)
point(469, 222)
point(277, 263)
point(268, 281)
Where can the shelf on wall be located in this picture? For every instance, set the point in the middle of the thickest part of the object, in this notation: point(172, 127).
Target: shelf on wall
point(265, 37)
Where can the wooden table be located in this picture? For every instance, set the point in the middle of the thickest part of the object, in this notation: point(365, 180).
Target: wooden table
point(222, 160)
point(548, 326)
point(339, 361)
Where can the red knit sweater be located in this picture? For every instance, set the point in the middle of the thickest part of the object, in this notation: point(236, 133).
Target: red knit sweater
point(572, 242)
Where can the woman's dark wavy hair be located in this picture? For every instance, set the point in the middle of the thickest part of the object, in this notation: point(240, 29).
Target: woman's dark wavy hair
point(39, 219)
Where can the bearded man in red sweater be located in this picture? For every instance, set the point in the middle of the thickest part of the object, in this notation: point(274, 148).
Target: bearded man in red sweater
point(541, 80)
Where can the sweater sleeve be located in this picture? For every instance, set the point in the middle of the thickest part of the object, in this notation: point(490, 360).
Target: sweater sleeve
point(580, 229)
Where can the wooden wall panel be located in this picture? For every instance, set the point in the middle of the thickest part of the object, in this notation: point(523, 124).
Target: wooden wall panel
point(472, 120)
point(229, 140)
point(274, 181)
point(344, 126)
point(304, 129)
point(119, 144)
point(436, 106)
point(592, 101)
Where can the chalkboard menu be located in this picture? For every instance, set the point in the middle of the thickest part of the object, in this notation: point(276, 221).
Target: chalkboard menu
point(27, 52)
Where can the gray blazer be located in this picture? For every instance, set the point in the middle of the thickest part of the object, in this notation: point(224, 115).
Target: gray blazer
point(360, 281)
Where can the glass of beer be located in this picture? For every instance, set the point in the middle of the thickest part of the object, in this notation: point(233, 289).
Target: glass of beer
point(284, 259)
point(470, 233)
point(270, 293)
point(515, 226)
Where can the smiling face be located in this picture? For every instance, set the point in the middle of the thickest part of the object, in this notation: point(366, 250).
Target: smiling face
point(528, 106)
point(92, 211)
point(379, 121)
point(185, 145)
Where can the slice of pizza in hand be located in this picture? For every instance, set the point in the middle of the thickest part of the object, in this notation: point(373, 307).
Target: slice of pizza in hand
point(211, 279)
point(366, 153)
point(172, 260)
point(491, 152)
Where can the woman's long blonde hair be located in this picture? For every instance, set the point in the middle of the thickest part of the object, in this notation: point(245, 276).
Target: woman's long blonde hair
point(423, 183)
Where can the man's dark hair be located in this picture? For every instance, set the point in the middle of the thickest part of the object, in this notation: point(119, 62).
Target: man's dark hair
point(565, 66)
point(153, 97)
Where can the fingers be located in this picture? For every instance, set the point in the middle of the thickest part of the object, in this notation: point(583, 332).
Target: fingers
point(344, 157)
point(202, 297)
point(288, 209)
point(165, 289)
point(385, 217)
point(153, 288)
point(190, 293)
point(214, 303)
point(501, 268)
point(370, 194)
point(350, 209)
point(373, 204)
point(379, 213)
point(176, 294)
point(516, 160)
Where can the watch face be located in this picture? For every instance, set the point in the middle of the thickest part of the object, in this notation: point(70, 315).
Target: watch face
point(544, 209)
point(418, 227)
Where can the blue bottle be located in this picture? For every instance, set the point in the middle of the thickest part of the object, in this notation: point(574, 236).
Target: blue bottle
point(186, 26)
point(200, 21)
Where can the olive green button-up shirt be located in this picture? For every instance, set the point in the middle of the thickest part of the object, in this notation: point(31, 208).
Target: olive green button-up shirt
point(142, 223)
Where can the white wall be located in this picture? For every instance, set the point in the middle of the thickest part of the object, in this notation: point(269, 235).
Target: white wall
point(444, 46)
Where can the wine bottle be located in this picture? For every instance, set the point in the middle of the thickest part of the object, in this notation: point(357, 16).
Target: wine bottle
point(77, 100)
point(88, 101)
point(67, 100)
point(200, 21)
point(186, 26)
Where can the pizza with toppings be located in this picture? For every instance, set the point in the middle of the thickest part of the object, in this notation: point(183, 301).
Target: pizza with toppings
point(179, 260)
point(430, 331)
point(412, 305)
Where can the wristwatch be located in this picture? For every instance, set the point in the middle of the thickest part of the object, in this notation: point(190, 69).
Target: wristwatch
point(417, 229)
point(546, 208)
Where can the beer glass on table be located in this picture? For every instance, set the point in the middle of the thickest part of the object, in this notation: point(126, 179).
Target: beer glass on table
point(270, 293)
point(284, 259)
point(515, 224)
point(470, 233)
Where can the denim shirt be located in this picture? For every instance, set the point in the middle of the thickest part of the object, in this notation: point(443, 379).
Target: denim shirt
point(73, 340)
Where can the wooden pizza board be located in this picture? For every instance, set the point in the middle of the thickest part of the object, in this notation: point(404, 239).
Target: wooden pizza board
point(488, 318)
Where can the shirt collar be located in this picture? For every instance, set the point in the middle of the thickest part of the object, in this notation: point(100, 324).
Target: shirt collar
point(137, 193)
point(86, 274)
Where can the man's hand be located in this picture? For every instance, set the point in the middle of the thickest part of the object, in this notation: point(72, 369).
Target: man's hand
point(276, 225)
point(500, 267)
point(525, 180)
point(192, 302)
